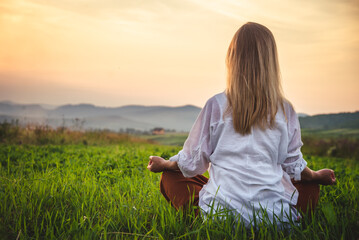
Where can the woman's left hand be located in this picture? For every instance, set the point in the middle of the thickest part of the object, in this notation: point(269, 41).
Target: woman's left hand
point(156, 164)
point(325, 176)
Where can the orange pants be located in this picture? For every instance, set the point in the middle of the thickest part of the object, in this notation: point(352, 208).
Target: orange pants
point(179, 191)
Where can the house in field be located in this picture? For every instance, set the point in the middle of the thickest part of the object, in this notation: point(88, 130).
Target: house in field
point(158, 131)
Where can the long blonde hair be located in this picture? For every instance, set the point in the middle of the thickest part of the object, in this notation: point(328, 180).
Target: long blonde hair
point(253, 79)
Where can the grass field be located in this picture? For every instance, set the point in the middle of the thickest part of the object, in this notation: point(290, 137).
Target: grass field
point(171, 139)
point(347, 133)
point(106, 192)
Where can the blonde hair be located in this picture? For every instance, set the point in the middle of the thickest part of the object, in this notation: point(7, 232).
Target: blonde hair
point(253, 79)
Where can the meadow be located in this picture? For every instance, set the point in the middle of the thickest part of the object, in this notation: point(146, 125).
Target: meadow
point(88, 190)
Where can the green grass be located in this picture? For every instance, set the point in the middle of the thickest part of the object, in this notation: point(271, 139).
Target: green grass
point(347, 133)
point(172, 139)
point(106, 192)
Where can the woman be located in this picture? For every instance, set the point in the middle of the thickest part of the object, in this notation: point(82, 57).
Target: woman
point(250, 136)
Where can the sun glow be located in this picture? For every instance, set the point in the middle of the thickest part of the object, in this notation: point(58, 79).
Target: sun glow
point(172, 53)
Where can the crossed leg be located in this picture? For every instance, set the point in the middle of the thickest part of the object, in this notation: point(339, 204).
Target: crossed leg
point(181, 191)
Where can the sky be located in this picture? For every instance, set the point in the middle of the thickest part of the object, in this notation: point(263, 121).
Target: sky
point(172, 52)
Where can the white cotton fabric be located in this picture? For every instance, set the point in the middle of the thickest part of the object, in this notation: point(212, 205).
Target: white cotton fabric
point(248, 173)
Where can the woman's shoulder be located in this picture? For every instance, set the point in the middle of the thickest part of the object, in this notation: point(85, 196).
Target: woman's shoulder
point(215, 106)
point(289, 109)
point(291, 117)
point(219, 99)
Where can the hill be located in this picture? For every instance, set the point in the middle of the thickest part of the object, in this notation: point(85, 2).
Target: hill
point(143, 118)
point(88, 116)
point(330, 121)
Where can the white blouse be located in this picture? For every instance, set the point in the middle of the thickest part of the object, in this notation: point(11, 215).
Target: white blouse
point(248, 173)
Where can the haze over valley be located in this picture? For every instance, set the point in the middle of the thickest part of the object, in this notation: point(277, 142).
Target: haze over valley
point(138, 117)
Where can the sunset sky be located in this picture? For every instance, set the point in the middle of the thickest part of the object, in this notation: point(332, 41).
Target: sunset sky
point(172, 52)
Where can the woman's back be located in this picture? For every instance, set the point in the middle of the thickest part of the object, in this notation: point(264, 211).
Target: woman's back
point(246, 170)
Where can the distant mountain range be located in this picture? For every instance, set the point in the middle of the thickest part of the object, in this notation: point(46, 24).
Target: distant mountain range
point(87, 116)
point(142, 118)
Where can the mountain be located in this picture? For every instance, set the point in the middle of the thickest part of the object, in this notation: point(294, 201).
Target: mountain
point(302, 115)
point(89, 116)
point(330, 121)
point(22, 110)
point(139, 117)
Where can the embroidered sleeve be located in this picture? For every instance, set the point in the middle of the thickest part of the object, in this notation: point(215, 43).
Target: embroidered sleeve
point(193, 159)
point(294, 163)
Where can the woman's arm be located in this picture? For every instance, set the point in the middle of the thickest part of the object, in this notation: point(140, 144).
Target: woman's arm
point(158, 164)
point(322, 176)
point(193, 159)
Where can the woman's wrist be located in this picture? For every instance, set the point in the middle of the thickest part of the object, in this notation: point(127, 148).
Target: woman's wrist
point(169, 165)
point(308, 175)
point(315, 176)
